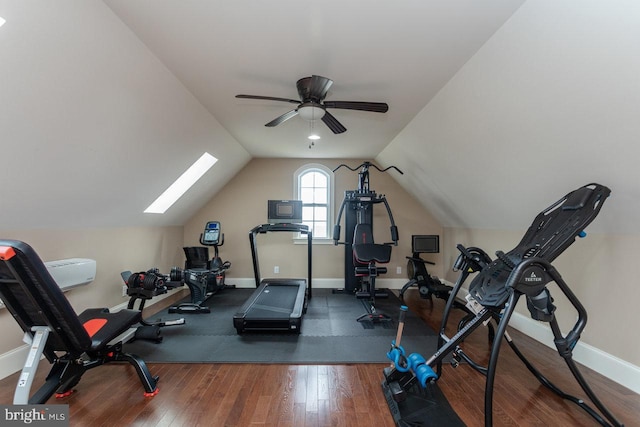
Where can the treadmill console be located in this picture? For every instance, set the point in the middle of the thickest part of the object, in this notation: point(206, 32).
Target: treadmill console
point(284, 211)
point(211, 235)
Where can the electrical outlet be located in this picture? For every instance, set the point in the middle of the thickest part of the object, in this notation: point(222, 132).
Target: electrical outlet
point(124, 290)
point(398, 270)
point(276, 269)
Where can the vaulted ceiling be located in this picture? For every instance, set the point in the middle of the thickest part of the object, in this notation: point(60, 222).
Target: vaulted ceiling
point(495, 108)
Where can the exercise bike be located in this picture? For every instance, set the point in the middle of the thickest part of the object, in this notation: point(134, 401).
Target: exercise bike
point(202, 275)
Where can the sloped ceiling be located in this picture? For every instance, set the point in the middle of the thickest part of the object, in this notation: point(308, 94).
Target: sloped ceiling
point(398, 52)
point(496, 108)
point(94, 127)
point(550, 103)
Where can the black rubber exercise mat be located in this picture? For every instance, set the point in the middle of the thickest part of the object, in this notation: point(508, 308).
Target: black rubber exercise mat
point(330, 334)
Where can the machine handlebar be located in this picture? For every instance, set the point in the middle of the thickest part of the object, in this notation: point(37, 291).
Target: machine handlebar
point(365, 167)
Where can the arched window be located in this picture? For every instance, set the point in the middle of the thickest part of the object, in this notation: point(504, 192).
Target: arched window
point(314, 186)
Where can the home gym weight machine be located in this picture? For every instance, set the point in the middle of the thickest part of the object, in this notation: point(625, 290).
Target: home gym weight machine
point(410, 385)
point(362, 255)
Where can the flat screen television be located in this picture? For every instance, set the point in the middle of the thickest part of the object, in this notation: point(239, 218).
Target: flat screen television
point(425, 243)
point(284, 211)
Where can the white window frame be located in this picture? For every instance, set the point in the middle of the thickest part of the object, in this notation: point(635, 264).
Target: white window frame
point(317, 167)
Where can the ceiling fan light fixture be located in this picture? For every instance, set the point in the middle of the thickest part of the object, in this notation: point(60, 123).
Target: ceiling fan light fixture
point(314, 137)
point(311, 113)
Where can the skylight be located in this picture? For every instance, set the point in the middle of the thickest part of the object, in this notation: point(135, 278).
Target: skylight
point(182, 184)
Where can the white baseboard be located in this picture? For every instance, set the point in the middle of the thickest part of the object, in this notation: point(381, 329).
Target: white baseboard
point(612, 367)
point(323, 283)
point(12, 361)
point(616, 369)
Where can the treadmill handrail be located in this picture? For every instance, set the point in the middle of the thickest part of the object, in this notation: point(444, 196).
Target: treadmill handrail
point(294, 228)
point(264, 228)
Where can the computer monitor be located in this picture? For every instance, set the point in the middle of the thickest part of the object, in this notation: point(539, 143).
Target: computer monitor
point(284, 211)
point(425, 243)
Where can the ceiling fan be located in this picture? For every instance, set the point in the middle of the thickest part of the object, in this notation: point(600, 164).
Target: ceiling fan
point(311, 106)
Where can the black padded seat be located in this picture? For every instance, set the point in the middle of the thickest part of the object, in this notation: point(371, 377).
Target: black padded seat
point(365, 250)
point(104, 326)
point(370, 252)
point(71, 343)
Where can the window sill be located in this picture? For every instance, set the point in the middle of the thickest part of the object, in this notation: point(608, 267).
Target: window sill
point(318, 241)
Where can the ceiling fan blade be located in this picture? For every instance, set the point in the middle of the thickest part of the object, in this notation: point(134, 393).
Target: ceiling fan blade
point(268, 98)
point(282, 118)
point(333, 123)
point(376, 107)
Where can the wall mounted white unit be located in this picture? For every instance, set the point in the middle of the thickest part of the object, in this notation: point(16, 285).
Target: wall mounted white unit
point(72, 272)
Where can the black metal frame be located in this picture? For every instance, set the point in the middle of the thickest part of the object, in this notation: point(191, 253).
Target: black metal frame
point(47, 318)
point(203, 280)
point(252, 316)
point(524, 271)
point(292, 228)
point(358, 205)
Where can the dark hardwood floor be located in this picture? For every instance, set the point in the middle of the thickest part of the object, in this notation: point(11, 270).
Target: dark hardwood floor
point(332, 395)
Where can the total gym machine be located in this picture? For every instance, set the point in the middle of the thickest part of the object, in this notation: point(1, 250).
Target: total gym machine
point(410, 386)
point(362, 254)
point(202, 275)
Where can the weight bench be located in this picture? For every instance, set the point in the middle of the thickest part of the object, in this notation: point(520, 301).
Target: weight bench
point(72, 343)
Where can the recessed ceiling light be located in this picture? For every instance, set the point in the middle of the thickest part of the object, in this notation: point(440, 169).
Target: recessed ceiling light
point(182, 184)
point(314, 137)
point(2, 21)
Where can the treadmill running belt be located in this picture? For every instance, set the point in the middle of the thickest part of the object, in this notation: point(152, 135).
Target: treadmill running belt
point(274, 302)
point(276, 305)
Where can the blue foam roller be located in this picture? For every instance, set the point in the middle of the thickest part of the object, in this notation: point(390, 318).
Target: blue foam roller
point(415, 359)
point(424, 374)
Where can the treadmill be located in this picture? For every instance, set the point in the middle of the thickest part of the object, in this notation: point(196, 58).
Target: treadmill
point(276, 304)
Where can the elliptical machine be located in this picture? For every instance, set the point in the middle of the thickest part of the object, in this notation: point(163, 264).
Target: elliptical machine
point(362, 254)
point(202, 275)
